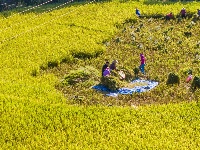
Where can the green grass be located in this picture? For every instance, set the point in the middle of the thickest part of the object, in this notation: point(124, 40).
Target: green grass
point(35, 126)
point(163, 57)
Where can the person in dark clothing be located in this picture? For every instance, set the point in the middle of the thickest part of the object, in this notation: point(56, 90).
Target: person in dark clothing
point(113, 65)
point(183, 13)
point(198, 12)
point(137, 12)
point(169, 16)
point(105, 66)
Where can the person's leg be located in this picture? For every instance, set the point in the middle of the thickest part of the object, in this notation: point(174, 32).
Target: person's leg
point(142, 68)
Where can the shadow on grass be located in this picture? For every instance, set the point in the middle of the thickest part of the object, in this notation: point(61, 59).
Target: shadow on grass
point(165, 2)
point(38, 9)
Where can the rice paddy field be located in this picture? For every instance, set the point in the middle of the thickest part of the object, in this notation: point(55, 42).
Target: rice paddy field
point(42, 49)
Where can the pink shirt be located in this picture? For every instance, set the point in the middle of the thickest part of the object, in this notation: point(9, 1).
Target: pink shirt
point(142, 59)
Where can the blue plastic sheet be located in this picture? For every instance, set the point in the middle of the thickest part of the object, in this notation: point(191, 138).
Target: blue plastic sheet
point(146, 85)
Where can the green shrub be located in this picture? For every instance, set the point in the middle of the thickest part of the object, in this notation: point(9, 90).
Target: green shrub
point(52, 64)
point(195, 83)
point(35, 72)
point(111, 82)
point(87, 54)
point(173, 79)
point(81, 75)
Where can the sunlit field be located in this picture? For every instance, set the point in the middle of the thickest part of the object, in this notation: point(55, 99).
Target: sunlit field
point(41, 47)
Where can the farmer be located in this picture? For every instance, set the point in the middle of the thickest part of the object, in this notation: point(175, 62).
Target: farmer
point(142, 63)
point(122, 75)
point(106, 72)
point(169, 16)
point(183, 13)
point(189, 78)
point(105, 66)
point(113, 65)
point(137, 12)
point(198, 12)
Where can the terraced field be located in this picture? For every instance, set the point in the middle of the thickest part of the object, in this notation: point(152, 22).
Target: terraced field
point(38, 50)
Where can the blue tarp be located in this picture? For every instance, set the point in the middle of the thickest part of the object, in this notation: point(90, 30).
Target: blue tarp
point(146, 85)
